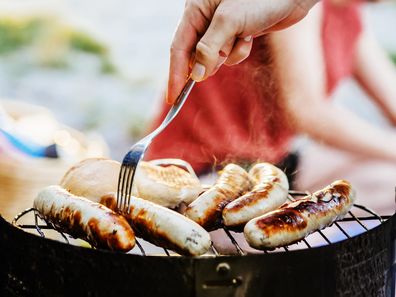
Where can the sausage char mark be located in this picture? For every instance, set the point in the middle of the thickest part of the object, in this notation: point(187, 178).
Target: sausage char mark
point(109, 201)
point(207, 209)
point(212, 220)
point(284, 220)
point(251, 198)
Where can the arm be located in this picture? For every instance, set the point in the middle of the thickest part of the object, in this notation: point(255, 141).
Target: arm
point(213, 32)
point(300, 64)
point(376, 74)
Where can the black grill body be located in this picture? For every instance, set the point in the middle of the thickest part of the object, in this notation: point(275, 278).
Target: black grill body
point(360, 266)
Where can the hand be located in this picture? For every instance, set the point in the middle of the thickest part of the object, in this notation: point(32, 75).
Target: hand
point(213, 32)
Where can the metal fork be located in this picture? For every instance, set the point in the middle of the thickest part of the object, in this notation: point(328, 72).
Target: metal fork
point(136, 153)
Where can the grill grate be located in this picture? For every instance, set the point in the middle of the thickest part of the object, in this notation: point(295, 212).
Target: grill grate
point(365, 220)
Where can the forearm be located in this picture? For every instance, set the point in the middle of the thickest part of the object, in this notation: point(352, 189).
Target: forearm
point(343, 129)
point(302, 76)
point(376, 74)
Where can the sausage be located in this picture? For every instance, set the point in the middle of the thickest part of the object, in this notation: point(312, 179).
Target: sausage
point(167, 228)
point(82, 218)
point(207, 208)
point(294, 221)
point(270, 192)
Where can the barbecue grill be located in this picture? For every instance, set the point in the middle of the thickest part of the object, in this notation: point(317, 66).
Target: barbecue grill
point(353, 257)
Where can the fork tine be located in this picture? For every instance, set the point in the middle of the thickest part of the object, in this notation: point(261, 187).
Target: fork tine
point(122, 190)
point(128, 187)
point(127, 174)
point(135, 168)
point(119, 189)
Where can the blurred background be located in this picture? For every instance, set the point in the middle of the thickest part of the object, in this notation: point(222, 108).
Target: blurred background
point(98, 65)
point(98, 68)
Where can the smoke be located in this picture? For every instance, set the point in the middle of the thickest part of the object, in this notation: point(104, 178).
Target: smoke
point(260, 131)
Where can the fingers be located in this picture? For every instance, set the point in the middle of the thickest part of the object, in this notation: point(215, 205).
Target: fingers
point(181, 50)
point(221, 31)
point(220, 22)
point(223, 54)
point(240, 51)
point(178, 71)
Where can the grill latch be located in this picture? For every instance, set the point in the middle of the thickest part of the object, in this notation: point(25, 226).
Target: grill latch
point(219, 278)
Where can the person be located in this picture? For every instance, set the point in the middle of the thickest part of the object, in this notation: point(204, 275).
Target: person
point(226, 27)
point(251, 111)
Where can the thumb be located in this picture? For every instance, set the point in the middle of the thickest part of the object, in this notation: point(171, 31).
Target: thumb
point(221, 30)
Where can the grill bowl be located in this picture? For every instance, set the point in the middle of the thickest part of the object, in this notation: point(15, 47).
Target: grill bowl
point(360, 266)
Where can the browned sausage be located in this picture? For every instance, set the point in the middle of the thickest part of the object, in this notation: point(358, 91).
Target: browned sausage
point(207, 208)
point(269, 192)
point(82, 218)
point(296, 220)
point(167, 228)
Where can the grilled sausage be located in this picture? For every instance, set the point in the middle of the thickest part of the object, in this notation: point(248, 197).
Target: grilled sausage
point(167, 228)
point(207, 208)
point(85, 219)
point(270, 192)
point(296, 220)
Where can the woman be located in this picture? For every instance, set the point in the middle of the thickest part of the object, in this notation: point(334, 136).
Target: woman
point(251, 111)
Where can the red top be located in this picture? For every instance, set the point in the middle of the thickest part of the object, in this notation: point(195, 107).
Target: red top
point(341, 28)
point(235, 115)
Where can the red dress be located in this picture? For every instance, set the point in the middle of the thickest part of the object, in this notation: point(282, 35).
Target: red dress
point(236, 115)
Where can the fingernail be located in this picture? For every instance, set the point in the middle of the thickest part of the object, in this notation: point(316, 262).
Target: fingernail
point(167, 94)
point(198, 72)
point(167, 99)
point(248, 38)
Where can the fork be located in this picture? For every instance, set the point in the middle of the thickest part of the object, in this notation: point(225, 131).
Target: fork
point(136, 153)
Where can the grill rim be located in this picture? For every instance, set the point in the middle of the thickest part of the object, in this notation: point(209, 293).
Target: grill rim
point(187, 271)
point(386, 219)
point(235, 243)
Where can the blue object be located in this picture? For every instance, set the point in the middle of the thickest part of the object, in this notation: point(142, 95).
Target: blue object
point(29, 148)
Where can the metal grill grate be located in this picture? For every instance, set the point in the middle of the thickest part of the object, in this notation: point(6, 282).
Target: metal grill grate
point(356, 222)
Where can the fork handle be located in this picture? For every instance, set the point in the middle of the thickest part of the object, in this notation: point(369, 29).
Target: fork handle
point(171, 113)
point(179, 102)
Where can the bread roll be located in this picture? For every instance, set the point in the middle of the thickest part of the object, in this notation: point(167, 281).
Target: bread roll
point(97, 180)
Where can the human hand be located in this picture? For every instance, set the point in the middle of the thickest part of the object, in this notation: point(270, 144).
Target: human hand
point(213, 32)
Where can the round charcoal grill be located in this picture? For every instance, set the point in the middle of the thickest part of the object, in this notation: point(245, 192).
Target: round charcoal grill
point(353, 257)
